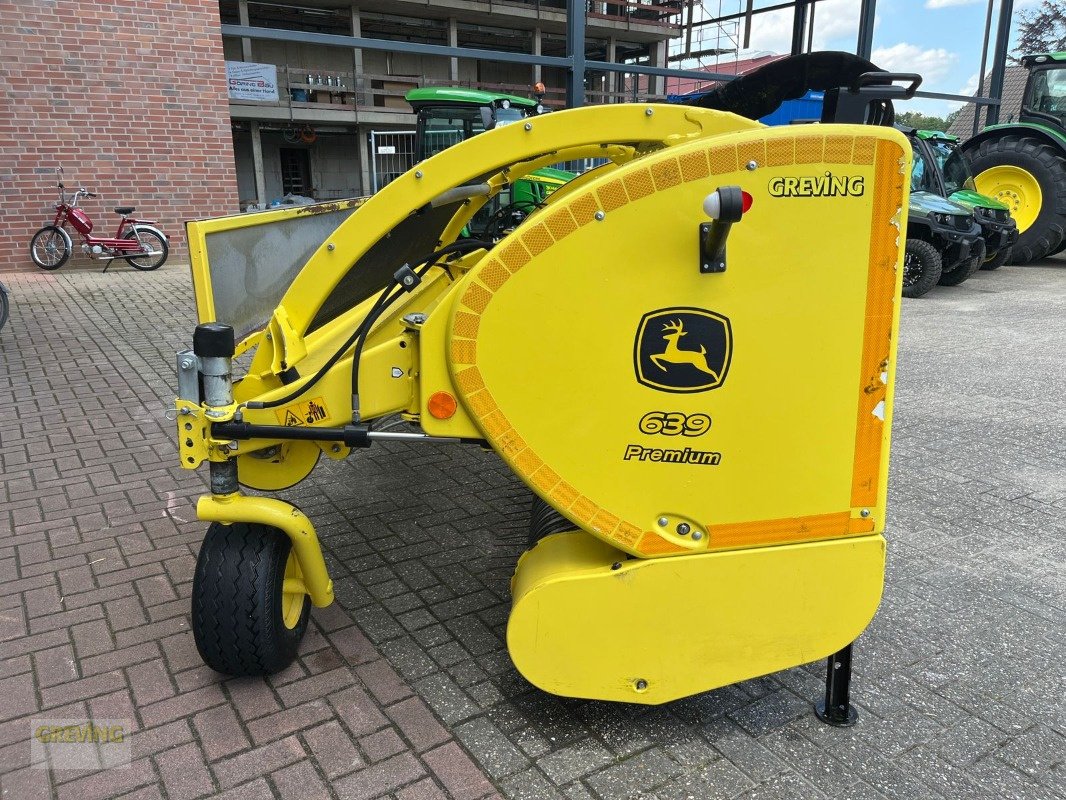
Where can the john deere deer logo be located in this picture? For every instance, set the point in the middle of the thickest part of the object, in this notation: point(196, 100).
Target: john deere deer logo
point(682, 349)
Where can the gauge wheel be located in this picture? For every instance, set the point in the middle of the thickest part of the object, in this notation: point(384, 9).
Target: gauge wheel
point(249, 604)
point(921, 268)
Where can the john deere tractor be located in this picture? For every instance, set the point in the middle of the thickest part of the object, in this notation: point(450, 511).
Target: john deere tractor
point(1023, 163)
point(448, 116)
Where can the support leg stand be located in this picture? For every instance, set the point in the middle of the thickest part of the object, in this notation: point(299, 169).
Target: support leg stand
point(836, 709)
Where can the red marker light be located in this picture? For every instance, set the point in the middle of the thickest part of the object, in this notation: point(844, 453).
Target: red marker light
point(727, 204)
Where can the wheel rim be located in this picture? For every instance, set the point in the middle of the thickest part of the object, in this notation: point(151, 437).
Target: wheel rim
point(150, 243)
point(293, 594)
point(1017, 188)
point(912, 269)
point(49, 249)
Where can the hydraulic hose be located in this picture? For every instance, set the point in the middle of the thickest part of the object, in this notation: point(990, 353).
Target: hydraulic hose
point(384, 299)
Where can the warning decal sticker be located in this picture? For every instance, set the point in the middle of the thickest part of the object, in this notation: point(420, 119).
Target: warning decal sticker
point(306, 413)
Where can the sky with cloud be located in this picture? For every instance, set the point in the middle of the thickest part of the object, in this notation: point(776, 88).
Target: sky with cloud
point(939, 39)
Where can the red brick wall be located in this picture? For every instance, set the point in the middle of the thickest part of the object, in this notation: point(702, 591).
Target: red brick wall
point(129, 97)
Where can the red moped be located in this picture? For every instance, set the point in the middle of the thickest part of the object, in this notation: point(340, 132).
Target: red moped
point(143, 245)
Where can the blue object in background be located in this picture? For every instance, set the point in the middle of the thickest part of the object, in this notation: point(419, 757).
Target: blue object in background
point(807, 107)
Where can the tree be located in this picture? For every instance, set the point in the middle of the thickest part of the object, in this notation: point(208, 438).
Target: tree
point(1041, 30)
point(923, 122)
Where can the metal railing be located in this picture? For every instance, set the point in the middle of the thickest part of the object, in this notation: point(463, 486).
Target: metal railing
point(313, 88)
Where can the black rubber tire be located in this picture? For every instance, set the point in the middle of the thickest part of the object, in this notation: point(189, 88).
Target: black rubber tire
point(964, 270)
point(1048, 166)
point(921, 268)
point(236, 601)
point(145, 264)
point(4, 308)
point(50, 230)
point(544, 520)
point(1001, 257)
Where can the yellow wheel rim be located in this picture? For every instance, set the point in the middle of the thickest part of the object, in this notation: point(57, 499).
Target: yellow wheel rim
point(1015, 187)
point(293, 593)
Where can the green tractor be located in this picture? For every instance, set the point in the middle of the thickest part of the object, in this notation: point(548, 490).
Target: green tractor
point(447, 116)
point(940, 168)
point(1023, 163)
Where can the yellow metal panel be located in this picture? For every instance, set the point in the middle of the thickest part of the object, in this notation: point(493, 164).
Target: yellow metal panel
point(588, 623)
point(806, 311)
point(482, 155)
point(435, 376)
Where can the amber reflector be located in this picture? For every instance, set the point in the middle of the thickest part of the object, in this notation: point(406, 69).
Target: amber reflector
point(442, 405)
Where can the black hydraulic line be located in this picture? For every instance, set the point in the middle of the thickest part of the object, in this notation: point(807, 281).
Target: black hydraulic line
point(461, 246)
point(393, 291)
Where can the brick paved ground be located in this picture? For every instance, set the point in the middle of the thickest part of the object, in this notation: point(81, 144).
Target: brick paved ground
point(404, 688)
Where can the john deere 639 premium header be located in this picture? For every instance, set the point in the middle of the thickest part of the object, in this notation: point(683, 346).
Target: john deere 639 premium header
point(711, 319)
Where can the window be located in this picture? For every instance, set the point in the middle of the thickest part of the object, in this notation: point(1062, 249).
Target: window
point(1047, 93)
point(447, 125)
point(953, 166)
point(921, 174)
point(296, 171)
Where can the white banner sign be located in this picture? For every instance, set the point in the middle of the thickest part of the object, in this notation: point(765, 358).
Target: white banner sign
point(252, 81)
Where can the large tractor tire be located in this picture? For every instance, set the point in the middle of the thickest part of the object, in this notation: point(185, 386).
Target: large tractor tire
point(1029, 175)
point(244, 618)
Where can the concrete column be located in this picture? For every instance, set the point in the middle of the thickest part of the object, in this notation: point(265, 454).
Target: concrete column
point(453, 41)
point(253, 126)
point(612, 77)
point(357, 58)
point(364, 162)
point(537, 36)
point(246, 43)
point(257, 163)
point(656, 84)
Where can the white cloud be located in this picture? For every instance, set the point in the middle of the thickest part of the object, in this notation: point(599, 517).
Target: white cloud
point(950, 3)
point(969, 89)
point(932, 64)
point(836, 26)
